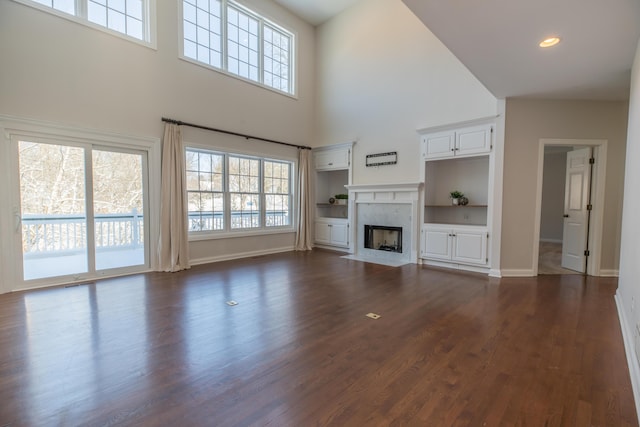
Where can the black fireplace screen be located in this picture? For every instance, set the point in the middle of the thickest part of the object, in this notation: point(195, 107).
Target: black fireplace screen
point(383, 238)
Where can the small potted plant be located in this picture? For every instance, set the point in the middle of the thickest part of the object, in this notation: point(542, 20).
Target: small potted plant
point(455, 197)
point(341, 199)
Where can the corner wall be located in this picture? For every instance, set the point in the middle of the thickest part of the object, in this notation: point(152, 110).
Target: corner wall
point(628, 295)
point(381, 76)
point(58, 71)
point(527, 121)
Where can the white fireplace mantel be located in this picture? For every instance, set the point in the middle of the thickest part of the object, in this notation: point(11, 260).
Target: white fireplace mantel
point(409, 195)
point(385, 193)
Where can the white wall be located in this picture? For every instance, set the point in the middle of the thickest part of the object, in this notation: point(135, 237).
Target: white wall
point(628, 294)
point(381, 75)
point(59, 71)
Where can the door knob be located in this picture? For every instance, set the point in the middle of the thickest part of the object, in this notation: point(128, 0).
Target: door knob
point(566, 216)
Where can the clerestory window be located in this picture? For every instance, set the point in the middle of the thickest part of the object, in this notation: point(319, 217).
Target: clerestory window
point(131, 18)
point(227, 36)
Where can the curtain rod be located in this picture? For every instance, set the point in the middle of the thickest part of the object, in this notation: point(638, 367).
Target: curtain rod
point(181, 123)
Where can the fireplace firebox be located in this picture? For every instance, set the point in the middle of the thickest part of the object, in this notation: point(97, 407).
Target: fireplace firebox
point(383, 238)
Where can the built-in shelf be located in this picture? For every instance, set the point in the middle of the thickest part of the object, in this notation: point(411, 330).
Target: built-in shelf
point(456, 214)
point(330, 204)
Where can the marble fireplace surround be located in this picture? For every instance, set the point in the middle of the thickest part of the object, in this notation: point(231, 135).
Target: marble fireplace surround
point(393, 205)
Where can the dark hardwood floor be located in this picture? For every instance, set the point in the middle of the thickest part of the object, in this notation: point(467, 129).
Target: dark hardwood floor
point(450, 348)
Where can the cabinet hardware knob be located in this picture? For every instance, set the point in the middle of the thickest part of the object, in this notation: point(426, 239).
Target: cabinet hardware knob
point(330, 164)
point(453, 149)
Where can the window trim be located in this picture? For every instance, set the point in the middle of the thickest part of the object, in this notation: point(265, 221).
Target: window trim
point(293, 49)
point(229, 232)
point(150, 27)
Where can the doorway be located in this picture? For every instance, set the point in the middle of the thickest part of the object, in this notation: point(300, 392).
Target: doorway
point(568, 213)
point(79, 210)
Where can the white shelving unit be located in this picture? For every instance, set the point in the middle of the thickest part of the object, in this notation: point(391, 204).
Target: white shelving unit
point(457, 157)
point(332, 174)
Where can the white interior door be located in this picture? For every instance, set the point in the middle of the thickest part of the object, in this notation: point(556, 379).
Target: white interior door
point(576, 198)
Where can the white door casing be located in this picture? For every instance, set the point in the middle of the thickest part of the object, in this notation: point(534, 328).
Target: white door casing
point(576, 199)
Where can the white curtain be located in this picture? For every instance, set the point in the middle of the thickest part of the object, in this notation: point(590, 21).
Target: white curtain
point(173, 245)
point(303, 234)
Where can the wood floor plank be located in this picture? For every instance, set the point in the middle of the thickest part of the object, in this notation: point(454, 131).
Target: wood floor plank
point(450, 348)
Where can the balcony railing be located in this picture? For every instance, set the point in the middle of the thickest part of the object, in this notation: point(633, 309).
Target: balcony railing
point(205, 221)
point(44, 234)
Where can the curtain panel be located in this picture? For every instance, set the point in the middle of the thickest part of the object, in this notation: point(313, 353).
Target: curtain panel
point(303, 232)
point(173, 245)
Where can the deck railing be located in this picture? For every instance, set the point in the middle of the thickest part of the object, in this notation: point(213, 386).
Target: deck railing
point(215, 221)
point(45, 234)
point(68, 233)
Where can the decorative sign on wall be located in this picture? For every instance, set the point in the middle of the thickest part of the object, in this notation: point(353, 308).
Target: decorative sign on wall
point(381, 159)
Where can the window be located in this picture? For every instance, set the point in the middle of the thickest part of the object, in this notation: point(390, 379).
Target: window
point(205, 190)
point(277, 176)
point(244, 192)
point(227, 36)
point(127, 17)
point(230, 192)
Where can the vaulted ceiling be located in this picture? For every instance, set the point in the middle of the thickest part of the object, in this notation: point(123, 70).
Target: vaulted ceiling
point(497, 40)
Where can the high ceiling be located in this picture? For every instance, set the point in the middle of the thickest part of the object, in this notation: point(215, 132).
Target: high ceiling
point(316, 12)
point(497, 40)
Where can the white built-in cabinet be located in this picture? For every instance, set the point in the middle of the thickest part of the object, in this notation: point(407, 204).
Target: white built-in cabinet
point(457, 244)
point(457, 157)
point(332, 231)
point(332, 217)
point(332, 159)
point(466, 141)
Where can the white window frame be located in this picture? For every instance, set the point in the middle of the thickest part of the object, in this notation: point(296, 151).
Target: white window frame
point(262, 23)
point(148, 11)
point(263, 229)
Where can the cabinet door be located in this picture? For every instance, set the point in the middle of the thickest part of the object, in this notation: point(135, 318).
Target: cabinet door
point(339, 234)
point(438, 145)
point(332, 159)
point(323, 232)
point(437, 243)
point(470, 247)
point(473, 140)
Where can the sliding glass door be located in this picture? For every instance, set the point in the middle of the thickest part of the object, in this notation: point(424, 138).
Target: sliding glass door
point(82, 210)
point(53, 203)
point(118, 209)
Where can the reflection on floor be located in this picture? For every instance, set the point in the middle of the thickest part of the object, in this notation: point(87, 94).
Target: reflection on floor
point(550, 259)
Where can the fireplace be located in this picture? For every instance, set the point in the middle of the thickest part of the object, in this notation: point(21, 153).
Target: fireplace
point(383, 238)
point(385, 222)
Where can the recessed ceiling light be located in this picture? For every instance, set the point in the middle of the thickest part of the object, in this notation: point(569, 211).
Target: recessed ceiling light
point(548, 42)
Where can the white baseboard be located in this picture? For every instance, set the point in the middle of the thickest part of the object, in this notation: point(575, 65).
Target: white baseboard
point(518, 273)
point(228, 257)
point(455, 266)
point(331, 248)
point(609, 273)
point(495, 272)
point(551, 240)
point(629, 349)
